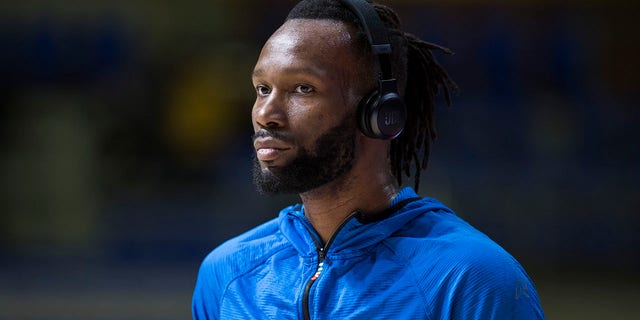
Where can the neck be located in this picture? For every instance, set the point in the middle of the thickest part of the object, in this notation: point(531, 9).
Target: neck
point(328, 206)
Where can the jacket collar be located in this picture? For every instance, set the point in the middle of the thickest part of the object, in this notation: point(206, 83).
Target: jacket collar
point(358, 233)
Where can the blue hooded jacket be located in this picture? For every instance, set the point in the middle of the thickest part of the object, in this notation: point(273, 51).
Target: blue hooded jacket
point(420, 261)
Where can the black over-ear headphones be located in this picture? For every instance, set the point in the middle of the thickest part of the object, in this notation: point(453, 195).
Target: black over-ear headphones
point(382, 114)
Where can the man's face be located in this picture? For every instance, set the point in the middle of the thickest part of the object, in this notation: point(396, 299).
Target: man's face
point(303, 116)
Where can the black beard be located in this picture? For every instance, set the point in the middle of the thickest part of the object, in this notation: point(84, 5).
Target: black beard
point(333, 157)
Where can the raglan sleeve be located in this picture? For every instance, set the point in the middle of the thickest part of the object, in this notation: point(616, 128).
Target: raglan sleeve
point(493, 285)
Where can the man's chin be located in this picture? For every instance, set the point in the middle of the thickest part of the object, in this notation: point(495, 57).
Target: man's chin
point(275, 180)
point(268, 179)
point(270, 169)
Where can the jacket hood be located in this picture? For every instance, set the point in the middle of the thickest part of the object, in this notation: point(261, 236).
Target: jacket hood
point(356, 235)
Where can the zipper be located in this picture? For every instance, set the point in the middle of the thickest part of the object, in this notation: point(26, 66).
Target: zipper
point(322, 253)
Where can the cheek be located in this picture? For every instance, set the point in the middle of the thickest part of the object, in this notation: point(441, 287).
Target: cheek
point(307, 128)
point(325, 115)
point(312, 122)
point(303, 116)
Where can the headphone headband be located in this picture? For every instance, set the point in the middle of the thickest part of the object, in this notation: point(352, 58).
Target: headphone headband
point(376, 33)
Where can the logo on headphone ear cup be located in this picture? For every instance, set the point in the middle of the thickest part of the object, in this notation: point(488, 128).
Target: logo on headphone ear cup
point(382, 116)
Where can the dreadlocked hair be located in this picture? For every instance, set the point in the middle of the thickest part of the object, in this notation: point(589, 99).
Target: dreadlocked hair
point(419, 76)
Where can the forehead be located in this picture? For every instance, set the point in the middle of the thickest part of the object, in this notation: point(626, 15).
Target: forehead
point(309, 43)
point(301, 32)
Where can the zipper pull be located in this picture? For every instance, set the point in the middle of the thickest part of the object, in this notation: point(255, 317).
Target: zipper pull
point(321, 254)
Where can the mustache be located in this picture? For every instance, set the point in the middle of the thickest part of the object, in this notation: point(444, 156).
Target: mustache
point(265, 133)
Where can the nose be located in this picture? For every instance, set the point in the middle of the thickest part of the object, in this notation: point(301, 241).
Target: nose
point(269, 112)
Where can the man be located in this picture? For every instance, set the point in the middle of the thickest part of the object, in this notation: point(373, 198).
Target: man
point(359, 246)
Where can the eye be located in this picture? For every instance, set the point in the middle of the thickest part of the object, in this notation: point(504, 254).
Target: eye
point(262, 90)
point(304, 89)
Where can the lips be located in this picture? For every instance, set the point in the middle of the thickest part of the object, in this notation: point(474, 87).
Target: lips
point(269, 149)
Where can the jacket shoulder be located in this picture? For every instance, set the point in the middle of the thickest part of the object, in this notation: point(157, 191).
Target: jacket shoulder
point(242, 253)
point(231, 260)
point(463, 271)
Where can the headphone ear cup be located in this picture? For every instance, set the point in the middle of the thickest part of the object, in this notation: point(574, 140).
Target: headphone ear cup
point(382, 116)
point(364, 113)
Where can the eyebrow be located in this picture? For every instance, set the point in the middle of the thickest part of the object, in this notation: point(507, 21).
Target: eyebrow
point(293, 71)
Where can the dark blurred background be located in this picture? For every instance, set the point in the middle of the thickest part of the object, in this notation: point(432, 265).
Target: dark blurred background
point(125, 146)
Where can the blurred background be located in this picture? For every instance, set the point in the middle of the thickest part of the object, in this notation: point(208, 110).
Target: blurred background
point(125, 146)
